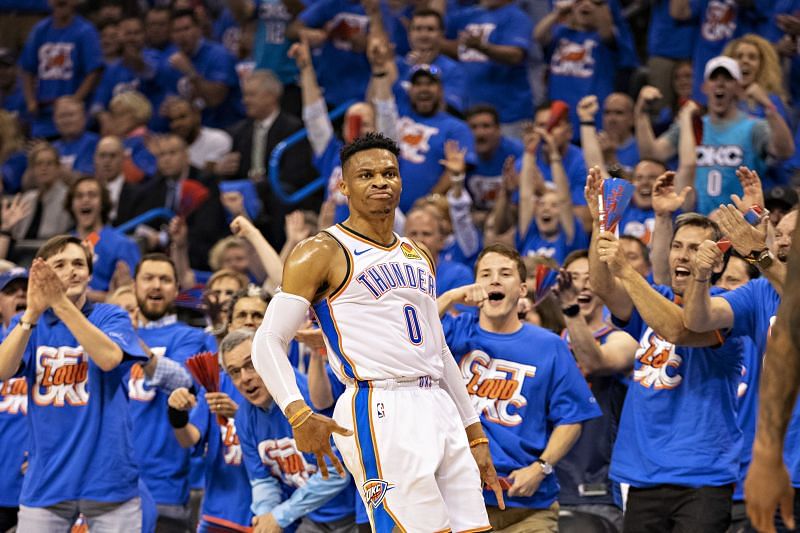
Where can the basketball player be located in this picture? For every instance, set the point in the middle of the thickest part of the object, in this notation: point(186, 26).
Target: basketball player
point(374, 296)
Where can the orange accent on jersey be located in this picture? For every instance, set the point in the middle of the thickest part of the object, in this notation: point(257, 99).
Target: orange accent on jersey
point(478, 530)
point(341, 347)
point(378, 463)
point(365, 241)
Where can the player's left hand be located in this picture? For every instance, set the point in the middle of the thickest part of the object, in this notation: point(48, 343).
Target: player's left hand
point(221, 404)
point(766, 488)
point(525, 481)
point(488, 474)
point(314, 436)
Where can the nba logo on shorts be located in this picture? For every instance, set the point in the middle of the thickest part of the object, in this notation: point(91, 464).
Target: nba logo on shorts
point(375, 490)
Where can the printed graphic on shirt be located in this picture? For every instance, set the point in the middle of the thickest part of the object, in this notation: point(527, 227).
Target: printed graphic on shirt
point(641, 230)
point(659, 363)
point(719, 23)
point(62, 374)
point(55, 61)
point(285, 461)
point(484, 29)
point(137, 390)
point(573, 59)
point(495, 386)
point(232, 452)
point(14, 396)
point(344, 27)
point(414, 139)
point(275, 18)
point(375, 491)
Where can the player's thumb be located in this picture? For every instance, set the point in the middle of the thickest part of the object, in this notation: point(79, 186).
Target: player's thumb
point(787, 509)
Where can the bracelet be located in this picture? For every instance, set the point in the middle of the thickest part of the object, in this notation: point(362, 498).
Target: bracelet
point(303, 421)
point(379, 74)
point(571, 311)
point(588, 123)
point(478, 441)
point(298, 414)
point(5, 232)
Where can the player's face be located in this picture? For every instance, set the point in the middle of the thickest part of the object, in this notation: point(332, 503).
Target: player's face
point(247, 313)
point(783, 236)
point(156, 289)
point(425, 94)
point(681, 254)
point(127, 301)
point(72, 268)
point(644, 177)
point(422, 227)
point(749, 60)
point(486, 132)
point(424, 33)
point(547, 210)
point(633, 253)
point(722, 91)
point(587, 301)
point(236, 258)
point(735, 274)
point(618, 115)
point(86, 204)
point(499, 276)
point(108, 159)
point(371, 182)
point(13, 299)
point(239, 366)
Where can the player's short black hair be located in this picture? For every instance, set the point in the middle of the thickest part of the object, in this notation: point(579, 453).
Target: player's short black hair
point(483, 109)
point(159, 258)
point(368, 142)
point(427, 12)
point(180, 13)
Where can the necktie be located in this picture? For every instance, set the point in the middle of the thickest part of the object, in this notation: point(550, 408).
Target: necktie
point(257, 170)
point(171, 200)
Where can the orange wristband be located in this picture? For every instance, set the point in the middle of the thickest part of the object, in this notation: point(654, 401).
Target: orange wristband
point(298, 414)
point(478, 441)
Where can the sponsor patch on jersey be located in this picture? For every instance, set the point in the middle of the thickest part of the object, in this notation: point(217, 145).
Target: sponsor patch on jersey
point(375, 491)
point(409, 251)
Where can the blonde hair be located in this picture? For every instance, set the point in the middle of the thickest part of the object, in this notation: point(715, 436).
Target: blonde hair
point(222, 246)
point(228, 273)
point(125, 289)
point(769, 74)
point(11, 139)
point(136, 103)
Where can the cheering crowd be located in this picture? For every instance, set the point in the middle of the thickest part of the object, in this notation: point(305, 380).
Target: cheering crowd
point(161, 159)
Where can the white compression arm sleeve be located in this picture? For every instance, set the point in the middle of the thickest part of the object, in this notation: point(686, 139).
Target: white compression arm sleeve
point(284, 316)
point(453, 383)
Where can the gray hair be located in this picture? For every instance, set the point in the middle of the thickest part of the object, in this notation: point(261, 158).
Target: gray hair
point(268, 80)
point(234, 339)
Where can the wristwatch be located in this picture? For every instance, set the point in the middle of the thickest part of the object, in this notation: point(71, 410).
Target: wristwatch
point(547, 468)
point(761, 258)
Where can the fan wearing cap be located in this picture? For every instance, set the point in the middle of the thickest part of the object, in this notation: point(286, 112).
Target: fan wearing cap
point(540, 399)
point(435, 147)
point(13, 290)
point(728, 140)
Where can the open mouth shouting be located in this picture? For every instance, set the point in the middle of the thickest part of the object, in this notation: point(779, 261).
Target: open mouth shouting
point(496, 297)
point(681, 273)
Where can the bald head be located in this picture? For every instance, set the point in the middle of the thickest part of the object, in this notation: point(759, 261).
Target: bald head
point(618, 115)
point(108, 158)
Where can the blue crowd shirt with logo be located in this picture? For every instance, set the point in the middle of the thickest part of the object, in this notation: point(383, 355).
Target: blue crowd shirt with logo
point(681, 400)
point(557, 247)
point(60, 59)
point(485, 179)
point(422, 141)
point(226, 500)
point(506, 87)
point(13, 438)
point(110, 247)
point(668, 37)
point(521, 394)
point(118, 78)
point(163, 464)
point(454, 79)
point(78, 414)
point(78, 154)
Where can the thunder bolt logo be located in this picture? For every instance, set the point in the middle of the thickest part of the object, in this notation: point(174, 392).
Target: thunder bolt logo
point(375, 490)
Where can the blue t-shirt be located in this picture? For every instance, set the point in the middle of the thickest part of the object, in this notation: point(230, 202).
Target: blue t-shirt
point(119, 78)
point(451, 275)
point(558, 247)
point(535, 391)
point(628, 154)
point(214, 63)
point(227, 494)
point(679, 424)
point(227, 32)
point(581, 63)
point(574, 166)
point(454, 79)
point(163, 464)
point(586, 465)
point(506, 87)
point(484, 180)
point(111, 247)
point(14, 102)
point(270, 451)
point(13, 169)
point(667, 37)
point(136, 150)
point(78, 414)
point(271, 45)
point(78, 155)
point(422, 141)
point(60, 59)
point(13, 438)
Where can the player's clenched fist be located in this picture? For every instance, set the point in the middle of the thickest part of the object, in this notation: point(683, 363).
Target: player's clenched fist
point(181, 399)
point(312, 434)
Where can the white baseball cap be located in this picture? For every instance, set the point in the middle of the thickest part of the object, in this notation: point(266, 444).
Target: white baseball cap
point(724, 62)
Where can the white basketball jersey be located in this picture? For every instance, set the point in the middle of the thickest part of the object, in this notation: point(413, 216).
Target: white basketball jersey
point(382, 323)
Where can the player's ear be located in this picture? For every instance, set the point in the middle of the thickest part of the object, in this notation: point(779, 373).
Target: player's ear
point(343, 187)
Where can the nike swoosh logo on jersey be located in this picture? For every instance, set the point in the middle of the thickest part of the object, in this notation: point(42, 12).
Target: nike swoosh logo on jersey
point(357, 252)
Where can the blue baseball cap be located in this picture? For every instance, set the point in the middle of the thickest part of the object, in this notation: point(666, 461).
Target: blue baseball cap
point(431, 71)
point(12, 275)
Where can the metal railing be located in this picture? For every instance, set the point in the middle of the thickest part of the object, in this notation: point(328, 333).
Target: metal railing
point(144, 218)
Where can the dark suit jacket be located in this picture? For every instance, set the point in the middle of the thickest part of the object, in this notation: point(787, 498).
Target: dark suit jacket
point(296, 170)
point(207, 224)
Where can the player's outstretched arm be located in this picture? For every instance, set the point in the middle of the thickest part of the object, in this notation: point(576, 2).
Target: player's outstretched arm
point(314, 267)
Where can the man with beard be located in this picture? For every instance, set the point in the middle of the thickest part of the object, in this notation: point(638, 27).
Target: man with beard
point(676, 370)
point(748, 311)
point(164, 465)
point(206, 145)
point(729, 137)
point(115, 256)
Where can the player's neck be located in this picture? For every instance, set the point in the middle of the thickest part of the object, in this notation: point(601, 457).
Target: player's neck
point(505, 324)
point(380, 230)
